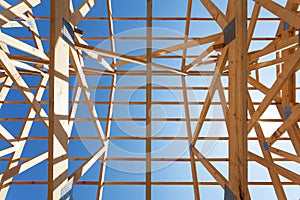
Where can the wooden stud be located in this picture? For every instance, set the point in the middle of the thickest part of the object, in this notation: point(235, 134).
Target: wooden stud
point(237, 113)
point(148, 102)
point(58, 101)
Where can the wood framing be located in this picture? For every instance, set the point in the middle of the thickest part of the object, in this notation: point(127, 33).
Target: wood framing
point(237, 113)
point(148, 113)
point(58, 101)
point(226, 90)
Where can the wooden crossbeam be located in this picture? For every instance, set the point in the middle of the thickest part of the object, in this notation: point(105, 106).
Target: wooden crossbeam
point(252, 23)
point(262, 88)
point(206, 53)
point(292, 64)
point(97, 57)
point(234, 61)
point(24, 132)
point(292, 119)
point(80, 171)
point(290, 5)
point(132, 59)
point(87, 96)
point(23, 167)
point(10, 41)
point(216, 13)
point(275, 46)
point(213, 86)
point(23, 87)
point(288, 16)
point(260, 65)
point(267, 156)
point(276, 168)
point(211, 169)
point(16, 10)
point(182, 46)
point(287, 155)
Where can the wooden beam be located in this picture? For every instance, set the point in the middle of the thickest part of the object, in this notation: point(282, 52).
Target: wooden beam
point(292, 119)
point(267, 156)
point(24, 132)
point(210, 94)
point(289, 88)
point(216, 13)
point(35, 32)
point(80, 171)
point(190, 137)
point(206, 53)
point(97, 57)
point(133, 59)
point(260, 65)
point(111, 28)
point(107, 133)
point(292, 64)
point(290, 5)
point(262, 88)
point(186, 32)
point(148, 102)
point(10, 41)
point(181, 46)
point(23, 167)
point(275, 46)
point(87, 96)
point(186, 107)
point(288, 16)
point(58, 101)
point(287, 155)
point(211, 169)
point(17, 10)
point(252, 23)
point(13, 73)
point(237, 113)
point(28, 59)
point(276, 168)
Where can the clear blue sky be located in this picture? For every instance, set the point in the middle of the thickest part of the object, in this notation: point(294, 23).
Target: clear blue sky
point(121, 170)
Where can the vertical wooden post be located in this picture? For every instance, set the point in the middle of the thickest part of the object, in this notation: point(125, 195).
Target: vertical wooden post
point(58, 101)
point(237, 56)
point(148, 99)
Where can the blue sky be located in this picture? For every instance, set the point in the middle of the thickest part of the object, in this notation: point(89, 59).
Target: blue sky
point(118, 170)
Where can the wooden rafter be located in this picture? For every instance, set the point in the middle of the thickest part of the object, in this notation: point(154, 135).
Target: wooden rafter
point(235, 71)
